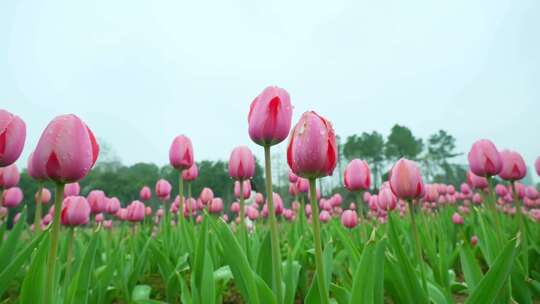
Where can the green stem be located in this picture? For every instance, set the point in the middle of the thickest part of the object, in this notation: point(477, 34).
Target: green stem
point(492, 204)
point(190, 207)
point(416, 240)
point(37, 216)
point(71, 237)
point(53, 249)
point(360, 208)
point(276, 254)
point(321, 277)
point(242, 216)
point(522, 229)
point(181, 197)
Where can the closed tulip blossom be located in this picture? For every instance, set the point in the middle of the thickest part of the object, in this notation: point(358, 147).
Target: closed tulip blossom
point(97, 201)
point(387, 201)
point(302, 185)
point(216, 205)
point(12, 197)
point(235, 207)
point(501, 190)
point(206, 196)
point(357, 176)
point(181, 153)
point(108, 224)
point(252, 213)
point(537, 166)
point(72, 189)
point(532, 193)
point(163, 189)
point(406, 181)
point(99, 218)
point(349, 219)
point(270, 117)
point(484, 159)
point(241, 163)
point(191, 174)
point(246, 188)
point(324, 216)
point(259, 198)
point(12, 137)
point(145, 194)
point(113, 205)
point(75, 211)
point(476, 181)
point(457, 219)
point(293, 178)
point(513, 167)
point(136, 211)
point(44, 196)
point(9, 176)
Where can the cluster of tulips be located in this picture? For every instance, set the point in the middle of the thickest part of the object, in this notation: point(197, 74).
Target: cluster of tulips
point(407, 242)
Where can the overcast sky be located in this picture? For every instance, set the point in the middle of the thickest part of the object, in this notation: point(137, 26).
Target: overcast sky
point(140, 72)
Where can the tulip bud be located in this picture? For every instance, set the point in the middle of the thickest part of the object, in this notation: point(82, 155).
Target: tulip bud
point(163, 189)
point(113, 205)
point(484, 159)
point(513, 166)
point(207, 195)
point(45, 196)
point(12, 197)
point(9, 176)
point(457, 219)
point(145, 194)
point(246, 189)
point(357, 175)
point(191, 174)
point(181, 153)
point(75, 211)
point(72, 189)
point(241, 163)
point(97, 201)
point(349, 219)
point(136, 211)
point(12, 137)
point(406, 180)
point(216, 205)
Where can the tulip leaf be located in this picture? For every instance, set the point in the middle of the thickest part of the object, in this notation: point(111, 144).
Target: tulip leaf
point(80, 286)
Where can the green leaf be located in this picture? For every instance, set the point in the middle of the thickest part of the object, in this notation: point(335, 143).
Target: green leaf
point(369, 274)
point(141, 292)
point(470, 267)
point(341, 295)
point(493, 282)
point(208, 285)
point(80, 287)
point(10, 246)
point(32, 289)
point(264, 262)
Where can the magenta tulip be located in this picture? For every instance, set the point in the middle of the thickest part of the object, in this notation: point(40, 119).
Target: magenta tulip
point(501, 190)
point(349, 219)
point(9, 176)
point(312, 151)
point(357, 175)
point(97, 201)
point(163, 189)
point(241, 163)
point(207, 195)
point(72, 189)
point(66, 151)
point(259, 198)
point(75, 211)
point(145, 194)
point(136, 211)
point(513, 167)
point(406, 181)
point(293, 178)
point(12, 137)
point(302, 185)
point(181, 153)
point(12, 197)
point(191, 174)
point(270, 116)
point(484, 159)
point(113, 205)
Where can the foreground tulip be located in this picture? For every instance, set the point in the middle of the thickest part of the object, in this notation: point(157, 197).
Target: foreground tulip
point(406, 183)
point(269, 120)
point(146, 194)
point(484, 159)
point(12, 137)
point(312, 154)
point(65, 153)
point(181, 158)
point(513, 167)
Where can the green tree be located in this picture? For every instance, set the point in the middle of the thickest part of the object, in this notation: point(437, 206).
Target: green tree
point(440, 148)
point(402, 143)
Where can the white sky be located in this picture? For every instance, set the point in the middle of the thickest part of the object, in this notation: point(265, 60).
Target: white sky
point(141, 72)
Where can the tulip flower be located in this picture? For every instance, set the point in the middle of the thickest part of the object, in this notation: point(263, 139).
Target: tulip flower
point(244, 188)
point(190, 174)
point(259, 198)
point(513, 166)
point(97, 201)
point(216, 205)
point(72, 189)
point(324, 216)
point(113, 205)
point(75, 211)
point(484, 159)
point(349, 219)
point(163, 189)
point(12, 137)
point(357, 176)
point(146, 194)
point(206, 196)
point(293, 178)
point(9, 176)
point(181, 158)
point(457, 219)
point(537, 166)
point(241, 163)
point(12, 197)
point(476, 181)
point(386, 200)
point(136, 211)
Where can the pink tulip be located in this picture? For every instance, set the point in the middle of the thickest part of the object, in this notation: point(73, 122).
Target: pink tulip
point(293, 178)
point(3, 212)
point(325, 204)
point(9, 176)
point(302, 185)
point(39, 176)
point(431, 193)
point(145, 194)
point(66, 151)
point(207, 195)
point(198, 219)
point(324, 216)
point(349, 219)
point(163, 189)
point(97, 201)
point(113, 205)
point(288, 214)
point(235, 207)
point(465, 189)
point(122, 214)
point(387, 200)
point(247, 189)
point(457, 219)
point(225, 218)
point(241, 163)
point(357, 175)
point(108, 224)
point(501, 190)
point(181, 153)
point(312, 151)
point(474, 240)
point(270, 116)
point(252, 213)
point(532, 193)
point(191, 174)
point(406, 180)
point(148, 211)
point(476, 181)
point(366, 197)
point(337, 200)
point(484, 159)
point(259, 198)
point(477, 199)
point(12, 197)
point(72, 189)
point(47, 219)
point(16, 218)
point(99, 218)
point(513, 167)
point(537, 165)
point(216, 205)
point(75, 211)
point(307, 209)
point(278, 204)
point(45, 196)
point(160, 213)
point(293, 191)
point(136, 211)
point(12, 137)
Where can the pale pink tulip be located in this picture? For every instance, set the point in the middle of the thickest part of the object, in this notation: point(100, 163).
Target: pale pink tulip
point(216, 205)
point(484, 159)
point(406, 180)
point(72, 189)
point(246, 189)
point(357, 175)
point(12, 197)
point(457, 219)
point(45, 196)
point(513, 167)
point(207, 195)
point(241, 163)
point(181, 153)
point(136, 211)
point(75, 211)
point(97, 201)
point(145, 194)
point(349, 219)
